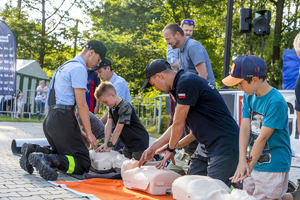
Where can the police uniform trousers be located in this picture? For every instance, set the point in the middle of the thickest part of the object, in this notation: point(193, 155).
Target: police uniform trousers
point(64, 135)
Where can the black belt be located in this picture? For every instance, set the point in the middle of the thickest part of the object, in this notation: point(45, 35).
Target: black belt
point(65, 107)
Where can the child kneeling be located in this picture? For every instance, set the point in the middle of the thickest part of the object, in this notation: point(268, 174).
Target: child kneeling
point(127, 125)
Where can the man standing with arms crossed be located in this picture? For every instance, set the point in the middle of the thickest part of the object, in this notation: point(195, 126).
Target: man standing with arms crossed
point(69, 145)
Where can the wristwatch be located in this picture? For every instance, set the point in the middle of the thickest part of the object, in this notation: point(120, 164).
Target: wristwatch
point(110, 144)
point(170, 150)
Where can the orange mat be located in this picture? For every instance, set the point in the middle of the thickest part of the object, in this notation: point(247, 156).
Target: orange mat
point(107, 189)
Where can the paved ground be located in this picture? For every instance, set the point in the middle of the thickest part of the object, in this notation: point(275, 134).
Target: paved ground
point(15, 183)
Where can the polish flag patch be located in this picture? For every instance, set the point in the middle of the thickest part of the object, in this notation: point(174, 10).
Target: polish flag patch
point(181, 95)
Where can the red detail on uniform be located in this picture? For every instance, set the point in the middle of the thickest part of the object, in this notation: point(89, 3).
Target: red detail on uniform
point(181, 96)
point(249, 159)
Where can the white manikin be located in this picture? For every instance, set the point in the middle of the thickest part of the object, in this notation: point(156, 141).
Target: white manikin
point(196, 187)
point(147, 178)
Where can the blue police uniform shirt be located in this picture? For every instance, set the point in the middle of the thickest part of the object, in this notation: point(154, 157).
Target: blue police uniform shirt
point(270, 110)
point(172, 56)
point(191, 54)
point(72, 75)
point(208, 117)
point(121, 87)
point(297, 93)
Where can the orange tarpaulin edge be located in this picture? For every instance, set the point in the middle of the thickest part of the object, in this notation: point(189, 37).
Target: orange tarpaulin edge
point(107, 189)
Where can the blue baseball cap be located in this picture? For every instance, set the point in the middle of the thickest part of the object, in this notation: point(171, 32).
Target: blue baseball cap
point(245, 67)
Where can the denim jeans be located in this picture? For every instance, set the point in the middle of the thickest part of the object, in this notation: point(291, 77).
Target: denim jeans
point(220, 167)
point(40, 108)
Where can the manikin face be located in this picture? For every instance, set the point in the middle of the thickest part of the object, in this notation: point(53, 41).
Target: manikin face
point(159, 83)
point(93, 60)
point(248, 88)
point(188, 30)
point(171, 39)
point(108, 100)
point(103, 74)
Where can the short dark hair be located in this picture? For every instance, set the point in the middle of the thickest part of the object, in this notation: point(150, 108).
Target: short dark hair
point(105, 67)
point(173, 27)
point(263, 77)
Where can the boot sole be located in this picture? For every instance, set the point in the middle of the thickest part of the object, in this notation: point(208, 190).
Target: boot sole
point(45, 171)
point(24, 161)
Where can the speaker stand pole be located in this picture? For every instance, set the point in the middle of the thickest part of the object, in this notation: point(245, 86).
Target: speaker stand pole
point(227, 51)
point(262, 47)
point(246, 43)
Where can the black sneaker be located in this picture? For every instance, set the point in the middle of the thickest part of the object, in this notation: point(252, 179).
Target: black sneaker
point(42, 164)
point(26, 149)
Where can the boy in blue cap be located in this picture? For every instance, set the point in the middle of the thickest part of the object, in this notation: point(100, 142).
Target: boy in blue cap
point(264, 128)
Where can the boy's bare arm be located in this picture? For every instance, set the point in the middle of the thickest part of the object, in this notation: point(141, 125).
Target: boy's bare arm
point(117, 133)
point(108, 129)
point(264, 135)
point(243, 169)
point(244, 138)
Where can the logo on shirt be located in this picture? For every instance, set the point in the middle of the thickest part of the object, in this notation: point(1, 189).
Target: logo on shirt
point(181, 95)
point(233, 68)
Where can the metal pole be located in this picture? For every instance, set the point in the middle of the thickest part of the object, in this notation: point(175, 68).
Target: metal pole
point(228, 39)
point(246, 43)
point(159, 115)
point(262, 47)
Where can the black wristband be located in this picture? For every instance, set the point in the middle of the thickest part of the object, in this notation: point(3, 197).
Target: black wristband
point(110, 144)
point(170, 150)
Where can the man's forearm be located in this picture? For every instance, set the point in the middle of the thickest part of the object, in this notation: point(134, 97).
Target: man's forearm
point(175, 64)
point(85, 118)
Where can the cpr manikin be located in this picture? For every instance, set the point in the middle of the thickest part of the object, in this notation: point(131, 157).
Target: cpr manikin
point(196, 187)
point(147, 178)
point(107, 161)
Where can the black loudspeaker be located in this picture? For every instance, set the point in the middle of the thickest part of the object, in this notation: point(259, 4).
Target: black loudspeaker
point(245, 20)
point(262, 22)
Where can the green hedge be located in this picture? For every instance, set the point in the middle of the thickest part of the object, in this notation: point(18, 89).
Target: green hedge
point(164, 122)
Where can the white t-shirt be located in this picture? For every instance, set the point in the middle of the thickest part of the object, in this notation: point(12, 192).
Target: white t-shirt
point(41, 95)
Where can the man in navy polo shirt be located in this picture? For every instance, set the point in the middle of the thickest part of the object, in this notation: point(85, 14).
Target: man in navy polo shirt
point(201, 106)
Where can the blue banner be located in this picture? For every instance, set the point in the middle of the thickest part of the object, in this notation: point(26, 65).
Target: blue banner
point(290, 69)
point(8, 60)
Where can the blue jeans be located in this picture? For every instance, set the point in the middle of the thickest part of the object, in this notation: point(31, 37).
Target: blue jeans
point(220, 167)
point(40, 108)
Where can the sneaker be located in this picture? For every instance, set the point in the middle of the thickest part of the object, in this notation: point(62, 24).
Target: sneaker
point(42, 164)
point(26, 149)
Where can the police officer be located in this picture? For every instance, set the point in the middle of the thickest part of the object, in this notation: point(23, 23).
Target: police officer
point(69, 144)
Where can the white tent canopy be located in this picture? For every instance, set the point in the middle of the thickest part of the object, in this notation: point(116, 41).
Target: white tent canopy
point(29, 73)
point(31, 68)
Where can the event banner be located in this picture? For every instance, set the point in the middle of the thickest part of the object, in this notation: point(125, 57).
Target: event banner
point(8, 56)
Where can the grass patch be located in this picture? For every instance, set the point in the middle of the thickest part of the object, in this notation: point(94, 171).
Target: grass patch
point(152, 130)
point(6, 118)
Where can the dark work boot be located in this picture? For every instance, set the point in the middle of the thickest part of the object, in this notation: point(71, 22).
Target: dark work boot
point(44, 165)
point(28, 148)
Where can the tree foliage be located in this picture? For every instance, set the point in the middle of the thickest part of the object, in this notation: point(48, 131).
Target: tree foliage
point(132, 31)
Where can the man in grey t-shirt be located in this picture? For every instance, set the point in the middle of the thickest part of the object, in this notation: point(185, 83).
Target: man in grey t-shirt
point(193, 57)
point(96, 125)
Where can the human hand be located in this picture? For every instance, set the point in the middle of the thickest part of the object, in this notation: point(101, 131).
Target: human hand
point(103, 148)
point(162, 150)
point(93, 141)
point(85, 139)
point(242, 172)
point(148, 155)
point(169, 155)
